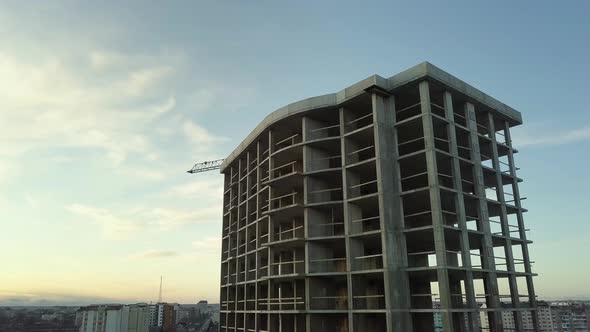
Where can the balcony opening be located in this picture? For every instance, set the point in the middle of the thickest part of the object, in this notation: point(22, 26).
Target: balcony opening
point(414, 174)
point(370, 322)
point(482, 122)
point(327, 255)
point(263, 298)
point(263, 149)
point(437, 100)
point(287, 323)
point(463, 143)
point(500, 259)
point(333, 322)
point(362, 180)
point(324, 221)
point(250, 297)
point(364, 215)
point(241, 269)
point(323, 156)
point(441, 135)
point(285, 197)
point(250, 322)
point(328, 293)
point(445, 170)
point(359, 146)
point(423, 293)
point(325, 124)
point(324, 188)
point(472, 213)
point(467, 179)
point(368, 291)
point(233, 245)
point(407, 103)
point(417, 209)
point(358, 113)
point(263, 264)
point(240, 300)
point(519, 262)
point(251, 267)
point(252, 211)
point(287, 295)
point(459, 112)
point(420, 249)
point(263, 201)
point(242, 217)
point(231, 321)
point(263, 322)
point(287, 229)
point(287, 135)
point(287, 262)
point(242, 242)
point(366, 252)
point(410, 137)
point(240, 321)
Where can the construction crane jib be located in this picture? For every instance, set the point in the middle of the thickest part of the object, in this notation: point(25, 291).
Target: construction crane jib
point(206, 166)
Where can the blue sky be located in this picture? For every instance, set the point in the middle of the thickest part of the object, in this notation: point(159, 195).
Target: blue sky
point(104, 106)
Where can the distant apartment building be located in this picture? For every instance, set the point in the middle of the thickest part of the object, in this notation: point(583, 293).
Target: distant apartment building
point(355, 211)
point(135, 318)
point(139, 317)
point(545, 322)
point(101, 318)
point(162, 317)
point(571, 317)
point(438, 323)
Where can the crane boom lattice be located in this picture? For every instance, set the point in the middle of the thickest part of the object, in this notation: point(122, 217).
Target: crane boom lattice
point(206, 166)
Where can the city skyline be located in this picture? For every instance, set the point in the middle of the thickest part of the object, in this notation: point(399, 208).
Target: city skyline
point(105, 106)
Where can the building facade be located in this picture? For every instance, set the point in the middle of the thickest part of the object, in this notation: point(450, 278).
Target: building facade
point(127, 318)
point(571, 317)
point(359, 210)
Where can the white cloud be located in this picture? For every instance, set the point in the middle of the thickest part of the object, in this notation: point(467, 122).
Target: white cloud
point(209, 244)
point(168, 219)
point(53, 105)
point(150, 254)
point(113, 226)
point(123, 223)
point(211, 187)
point(199, 136)
point(549, 137)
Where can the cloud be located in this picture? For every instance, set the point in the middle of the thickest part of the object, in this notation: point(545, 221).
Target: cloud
point(36, 298)
point(168, 219)
point(199, 136)
point(53, 105)
point(548, 138)
point(211, 187)
point(117, 225)
point(154, 254)
point(113, 226)
point(210, 244)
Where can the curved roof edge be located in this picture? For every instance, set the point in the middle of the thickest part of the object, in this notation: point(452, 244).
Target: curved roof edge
point(424, 69)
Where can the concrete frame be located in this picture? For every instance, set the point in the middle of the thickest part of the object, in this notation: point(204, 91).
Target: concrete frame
point(333, 162)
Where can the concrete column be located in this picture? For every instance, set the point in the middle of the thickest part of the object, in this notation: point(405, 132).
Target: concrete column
point(436, 210)
point(461, 216)
point(258, 215)
point(490, 282)
point(306, 167)
point(397, 297)
point(346, 216)
point(522, 229)
point(505, 228)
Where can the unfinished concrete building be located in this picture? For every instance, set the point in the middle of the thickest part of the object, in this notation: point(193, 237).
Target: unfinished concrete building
point(374, 208)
